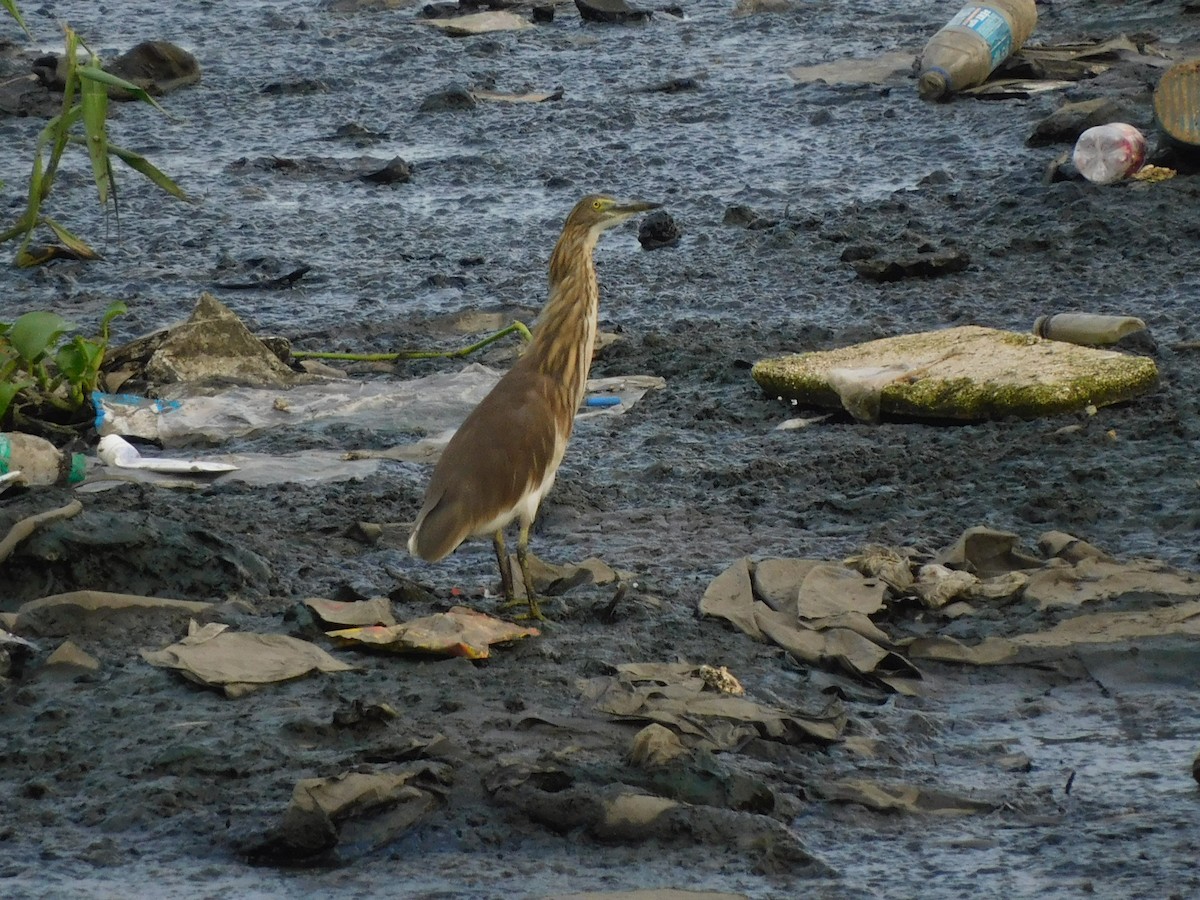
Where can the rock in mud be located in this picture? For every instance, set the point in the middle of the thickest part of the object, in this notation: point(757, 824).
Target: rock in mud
point(611, 11)
point(453, 99)
point(916, 265)
point(1070, 120)
point(659, 229)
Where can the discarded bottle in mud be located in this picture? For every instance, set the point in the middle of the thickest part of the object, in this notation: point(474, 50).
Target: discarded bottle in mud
point(1088, 329)
point(39, 461)
point(972, 44)
point(1108, 153)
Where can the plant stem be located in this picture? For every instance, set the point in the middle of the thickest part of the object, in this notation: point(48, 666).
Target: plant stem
point(518, 327)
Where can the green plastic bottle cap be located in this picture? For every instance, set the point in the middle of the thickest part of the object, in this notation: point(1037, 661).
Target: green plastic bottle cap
point(78, 468)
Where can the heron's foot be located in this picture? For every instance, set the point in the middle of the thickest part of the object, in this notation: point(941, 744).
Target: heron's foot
point(532, 612)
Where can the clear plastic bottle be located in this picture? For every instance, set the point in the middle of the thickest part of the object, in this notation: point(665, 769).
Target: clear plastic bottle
point(1108, 153)
point(39, 461)
point(964, 53)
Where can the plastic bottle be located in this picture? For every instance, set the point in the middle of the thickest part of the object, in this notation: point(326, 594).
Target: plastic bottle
point(971, 45)
point(1086, 328)
point(1108, 153)
point(39, 461)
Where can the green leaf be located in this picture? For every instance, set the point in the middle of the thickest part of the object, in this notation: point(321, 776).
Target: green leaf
point(107, 78)
point(116, 308)
point(8, 393)
point(77, 246)
point(79, 361)
point(139, 163)
point(36, 332)
point(94, 100)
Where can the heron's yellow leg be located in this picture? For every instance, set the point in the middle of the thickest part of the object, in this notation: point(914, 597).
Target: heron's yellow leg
point(505, 564)
point(523, 562)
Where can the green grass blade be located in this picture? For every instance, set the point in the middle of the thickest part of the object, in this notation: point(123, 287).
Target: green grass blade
point(70, 241)
point(139, 163)
point(94, 100)
point(108, 79)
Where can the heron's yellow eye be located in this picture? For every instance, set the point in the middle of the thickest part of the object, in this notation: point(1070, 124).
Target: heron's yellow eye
point(597, 204)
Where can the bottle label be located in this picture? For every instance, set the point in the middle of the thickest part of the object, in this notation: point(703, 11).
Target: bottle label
point(989, 25)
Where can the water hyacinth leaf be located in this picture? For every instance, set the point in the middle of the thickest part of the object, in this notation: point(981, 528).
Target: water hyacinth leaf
point(79, 247)
point(8, 393)
point(139, 163)
point(36, 332)
point(79, 360)
point(116, 308)
point(94, 100)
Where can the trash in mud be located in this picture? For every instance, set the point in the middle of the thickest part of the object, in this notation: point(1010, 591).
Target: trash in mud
point(76, 611)
point(376, 611)
point(819, 612)
point(871, 70)
point(1177, 105)
point(678, 697)
point(973, 43)
point(1084, 59)
point(478, 23)
point(1106, 154)
point(24, 528)
point(967, 373)
point(905, 798)
point(460, 631)
point(1087, 329)
point(115, 451)
point(30, 461)
point(332, 820)
point(15, 652)
point(239, 662)
point(69, 657)
point(433, 405)
point(564, 798)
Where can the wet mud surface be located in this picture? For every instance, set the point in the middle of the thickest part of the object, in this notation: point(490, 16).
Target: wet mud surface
point(132, 782)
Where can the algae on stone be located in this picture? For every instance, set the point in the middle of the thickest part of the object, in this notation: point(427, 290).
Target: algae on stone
point(967, 373)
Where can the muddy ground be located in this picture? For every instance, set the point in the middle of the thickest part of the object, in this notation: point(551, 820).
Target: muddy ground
point(133, 782)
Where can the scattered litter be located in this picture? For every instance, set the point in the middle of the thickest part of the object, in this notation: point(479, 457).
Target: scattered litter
point(376, 611)
point(1087, 329)
point(1151, 174)
point(677, 696)
point(479, 23)
point(68, 656)
point(457, 632)
point(62, 614)
point(28, 460)
point(433, 405)
point(800, 422)
point(115, 451)
point(906, 798)
point(967, 373)
point(357, 812)
point(241, 662)
point(655, 745)
point(1105, 154)
point(27, 526)
point(721, 680)
point(1175, 104)
point(14, 653)
point(872, 70)
point(973, 43)
point(307, 467)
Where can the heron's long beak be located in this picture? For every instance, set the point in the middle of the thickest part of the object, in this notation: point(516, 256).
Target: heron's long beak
point(634, 206)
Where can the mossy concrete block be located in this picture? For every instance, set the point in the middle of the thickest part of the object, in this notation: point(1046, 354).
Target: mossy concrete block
point(967, 373)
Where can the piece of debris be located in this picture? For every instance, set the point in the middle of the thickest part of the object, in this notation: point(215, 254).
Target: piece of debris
point(114, 450)
point(68, 656)
point(1087, 329)
point(525, 97)
point(931, 264)
point(239, 662)
point(1070, 120)
point(376, 611)
point(458, 632)
point(908, 798)
point(62, 614)
point(479, 23)
point(967, 373)
point(872, 70)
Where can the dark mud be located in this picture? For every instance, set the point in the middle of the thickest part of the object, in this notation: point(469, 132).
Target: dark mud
point(134, 783)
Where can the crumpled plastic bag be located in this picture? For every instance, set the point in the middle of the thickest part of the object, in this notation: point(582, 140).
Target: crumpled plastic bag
point(460, 631)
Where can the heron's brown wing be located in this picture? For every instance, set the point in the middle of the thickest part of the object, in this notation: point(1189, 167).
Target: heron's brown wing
point(503, 450)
